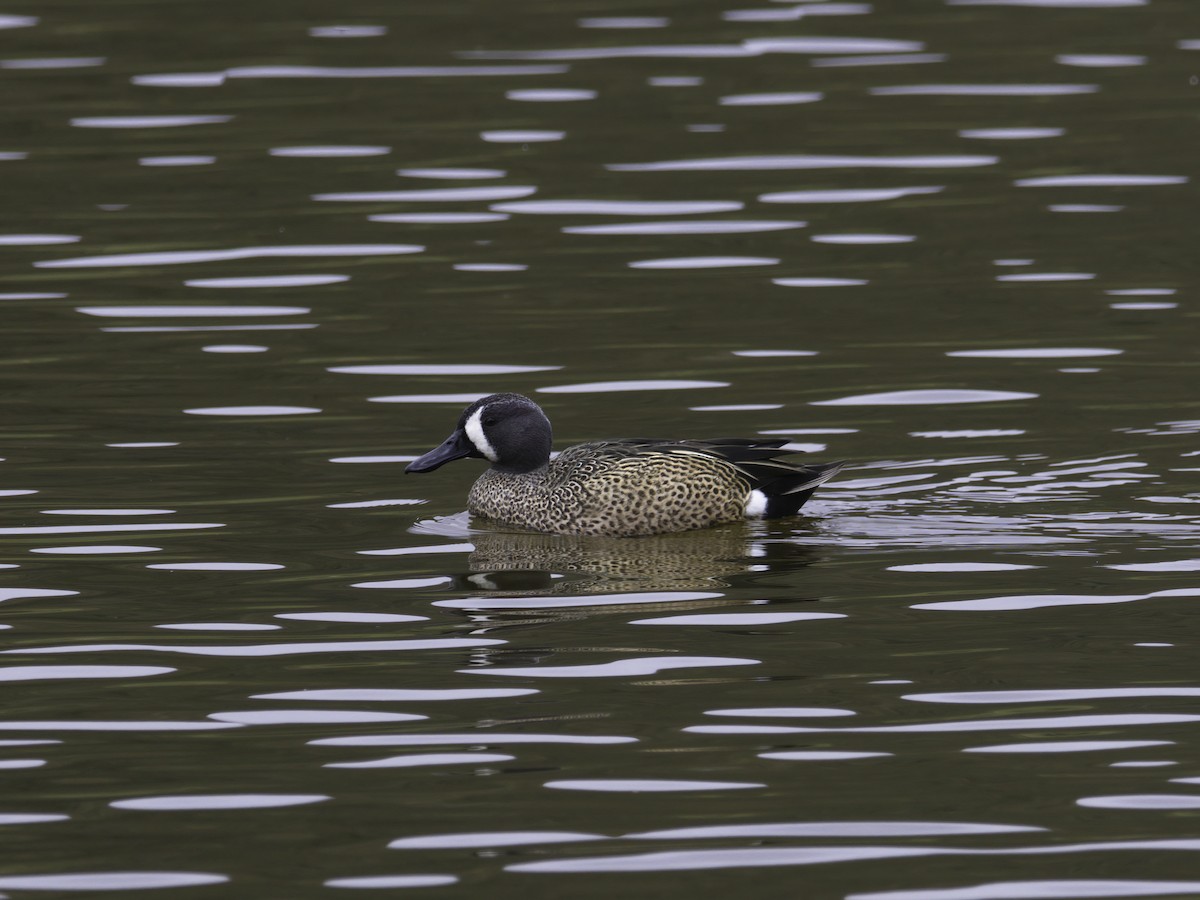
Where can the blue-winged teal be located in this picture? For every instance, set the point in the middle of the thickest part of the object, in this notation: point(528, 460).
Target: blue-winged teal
point(622, 487)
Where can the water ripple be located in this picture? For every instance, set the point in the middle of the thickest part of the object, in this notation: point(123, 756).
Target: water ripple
point(619, 207)
point(434, 195)
point(925, 398)
point(263, 650)
point(481, 840)
point(482, 738)
point(184, 257)
point(645, 665)
point(47, 673)
point(219, 801)
point(415, 760)
point(108, 881)
point(805, 161)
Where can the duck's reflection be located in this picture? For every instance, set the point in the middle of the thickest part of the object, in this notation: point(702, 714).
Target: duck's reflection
point(508, 562)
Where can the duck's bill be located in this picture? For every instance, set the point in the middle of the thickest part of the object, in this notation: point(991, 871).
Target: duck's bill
point(457, 446)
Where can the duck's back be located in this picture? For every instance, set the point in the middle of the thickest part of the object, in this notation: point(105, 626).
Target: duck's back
point(626, 487)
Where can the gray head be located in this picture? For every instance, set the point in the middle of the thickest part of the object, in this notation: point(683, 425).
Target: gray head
point(509, 430)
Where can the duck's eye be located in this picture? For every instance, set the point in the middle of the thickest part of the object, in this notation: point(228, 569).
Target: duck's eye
point(489, 422)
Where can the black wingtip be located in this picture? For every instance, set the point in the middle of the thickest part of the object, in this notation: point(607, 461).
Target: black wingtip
point(786, 495)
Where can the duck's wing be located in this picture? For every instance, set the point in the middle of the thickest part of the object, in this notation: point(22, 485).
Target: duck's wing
point(784, 483)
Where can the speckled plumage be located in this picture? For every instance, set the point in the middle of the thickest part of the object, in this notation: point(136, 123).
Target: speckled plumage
point(622, 487)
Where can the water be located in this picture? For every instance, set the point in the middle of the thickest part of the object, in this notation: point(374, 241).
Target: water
point(258, 257)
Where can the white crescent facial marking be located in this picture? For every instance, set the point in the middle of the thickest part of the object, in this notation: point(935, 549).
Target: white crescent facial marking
point(756, 504)
point(474, 430)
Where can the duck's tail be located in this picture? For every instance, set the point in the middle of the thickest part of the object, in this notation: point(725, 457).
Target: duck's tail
point(784, 494)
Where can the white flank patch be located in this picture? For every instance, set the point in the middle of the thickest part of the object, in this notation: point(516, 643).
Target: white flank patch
point(474, 429)
point(756, 504)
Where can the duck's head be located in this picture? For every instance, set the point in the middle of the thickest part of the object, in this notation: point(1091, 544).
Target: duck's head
point(509, 430)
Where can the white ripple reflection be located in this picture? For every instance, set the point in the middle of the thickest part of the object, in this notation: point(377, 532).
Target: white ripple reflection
point(551, 95)
point(396, 695)
point(783, 712)
point(1059, 888)
point(30, 818)
point(165, 312)
point(311, 717)
point(182, 257)
point(434, 195)
point(252, 411)
point(49, 673)
point(264, 650)
point(1049, 276)
point(175, 161)
point(518, 136)
point(404, 583)
point(437, 218)
point(604, 387)
point(772, 99)
point(1036, 353)
point(97, 549)
point(219, 626)
point(710, 858)
point(388, 71)
point(359, 618)
point(451, 173)
point(831, 45)
point(481, 737)
point(164, 121)
point(267, 281)
point(1102, 181)
point(960, 567)
point(829, 829)
point(1178, 565)
point(1052, 695)
point(704, 262)
point(1040, 601)
point(21, 593)
point(219, 801)
point(805, 161)
point(1065, 746)
point(623, 668)
point(36, 240)
point(479, 840)
point(105, 725)
point(1142, 801)
point(684, 227)
point(330, 151)
point(1011, 134)
point(862, 239)
point(925, 398)
point(983, 90)
point(216, 567)
point(180, 79)
point(91, 529)
point(848, 195)
point(424, 759)
point(818, 282)
point(1113, 720)
point(821, 755)
point(619, 207)
point(440, 369)
point(737, 619)
point(108, 881)
point(648, 785)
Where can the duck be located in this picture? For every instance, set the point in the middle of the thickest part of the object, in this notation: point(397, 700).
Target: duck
point(622, 488)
